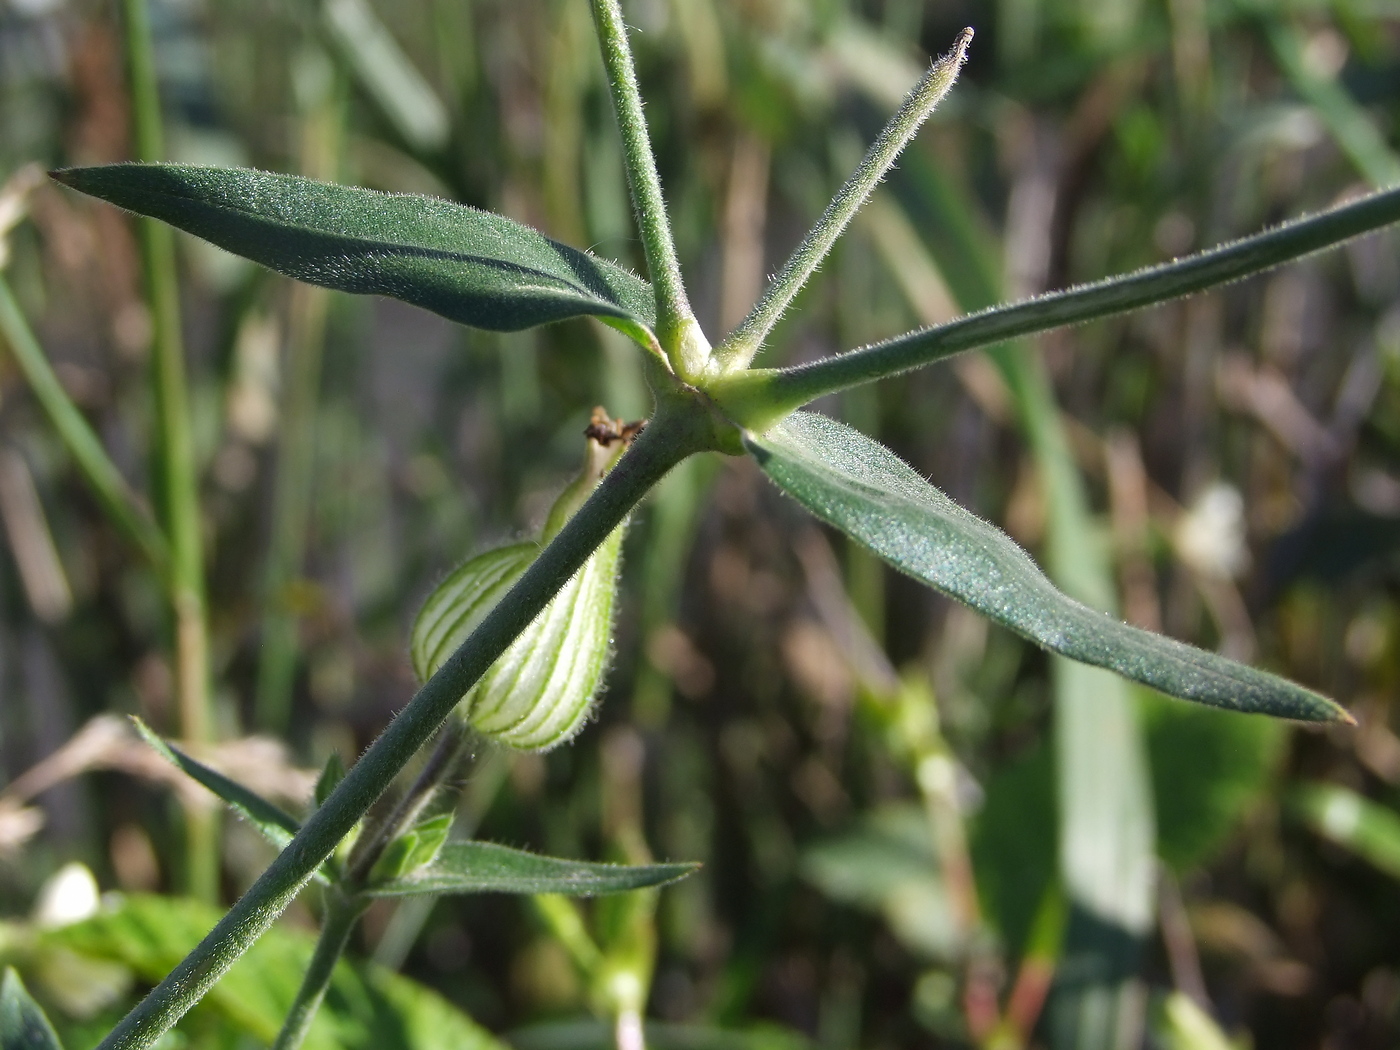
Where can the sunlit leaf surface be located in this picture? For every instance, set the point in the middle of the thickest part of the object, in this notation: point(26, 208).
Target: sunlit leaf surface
point(864, 490)
point(468, 265)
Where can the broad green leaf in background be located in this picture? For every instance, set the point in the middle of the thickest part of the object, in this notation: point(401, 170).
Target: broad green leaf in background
point(863, 489)
point(888, 865)
point(468, 265)
point(1368, 829)
point(1013, 843)
point(366, 1007)
point(482, 867)
point(274, 823)
point(23, 1025)
point(1208, 769)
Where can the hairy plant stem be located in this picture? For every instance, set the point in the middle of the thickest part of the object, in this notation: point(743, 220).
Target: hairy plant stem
point(759, 398)
point(337, 924)
point(678, 430)
point(739, 347)
point(440, 766)
point(685, 346)
point(178, 488)
point(124, 508)
point(345, 902)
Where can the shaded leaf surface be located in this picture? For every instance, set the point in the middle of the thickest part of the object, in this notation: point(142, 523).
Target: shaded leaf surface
point(863, 489)
point(470, 266)
point(483, 867)
point(23, 1025)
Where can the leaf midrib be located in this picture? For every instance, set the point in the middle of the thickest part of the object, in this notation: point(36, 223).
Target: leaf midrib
point(420, 251)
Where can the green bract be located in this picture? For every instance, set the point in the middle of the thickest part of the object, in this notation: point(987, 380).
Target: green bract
point(539, 692)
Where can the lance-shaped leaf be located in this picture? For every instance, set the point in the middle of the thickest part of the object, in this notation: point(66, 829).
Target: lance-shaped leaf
point(483, 867)
point(867, 492)
point(468, 265)
point(274, 823)
point(23, 1025)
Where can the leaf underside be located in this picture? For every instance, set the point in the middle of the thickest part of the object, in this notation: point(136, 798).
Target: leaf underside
point(483, 867)
point(468, 265)
point(866, 491)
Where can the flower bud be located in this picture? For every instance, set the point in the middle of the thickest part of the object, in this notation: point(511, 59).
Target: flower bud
point(539, 692)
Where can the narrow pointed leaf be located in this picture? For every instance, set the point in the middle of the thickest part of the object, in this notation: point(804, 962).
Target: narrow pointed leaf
point(23, 1025)
point(863, 489)
point(760, 397)
point(274, 823)
point(468, 265)
point(483, 867)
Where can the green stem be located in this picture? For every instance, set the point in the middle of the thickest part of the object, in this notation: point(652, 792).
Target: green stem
point(740, 346)
point(439, 768)
point(178, 503)
point(672, 436)
point(345, 902)
point(322, 135)
point(122, 505)
point(677, 330)
point(760, 397)
point(336, 926)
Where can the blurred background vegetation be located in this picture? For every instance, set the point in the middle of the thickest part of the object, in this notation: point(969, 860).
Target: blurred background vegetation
point(869, 773)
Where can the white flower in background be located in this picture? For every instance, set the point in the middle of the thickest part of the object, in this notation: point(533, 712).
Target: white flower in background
point(70, 895)
point(1210, 536)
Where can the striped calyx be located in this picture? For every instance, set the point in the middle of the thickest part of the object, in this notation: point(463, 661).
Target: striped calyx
point(539, 692)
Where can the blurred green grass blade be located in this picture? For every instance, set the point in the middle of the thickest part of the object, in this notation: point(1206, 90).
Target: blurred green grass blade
point(274, 823)
point(1185, 1026)
point(781, 391)
point(1352, 127)
point(126, 511)
point(1338, 814)
point(483, 867)
point(387, 74)
point(864, 490)
point(23, 1025)
point(470, 266)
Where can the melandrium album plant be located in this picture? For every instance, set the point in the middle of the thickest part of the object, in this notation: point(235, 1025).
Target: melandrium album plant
point(515, 641)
